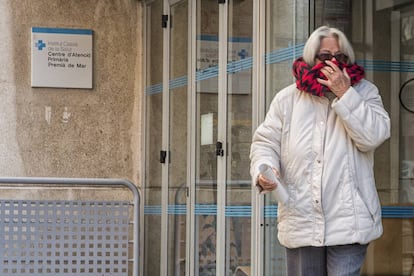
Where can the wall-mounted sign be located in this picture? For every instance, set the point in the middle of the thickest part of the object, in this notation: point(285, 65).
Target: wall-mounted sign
point(61, 58)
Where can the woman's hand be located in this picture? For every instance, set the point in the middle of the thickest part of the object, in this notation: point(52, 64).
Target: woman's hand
point(337, 81)
point(266, 184)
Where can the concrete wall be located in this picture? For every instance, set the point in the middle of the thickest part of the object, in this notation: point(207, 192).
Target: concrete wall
point(100, 135)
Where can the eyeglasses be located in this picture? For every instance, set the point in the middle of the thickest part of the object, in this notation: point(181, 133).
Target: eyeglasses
point(328, 56)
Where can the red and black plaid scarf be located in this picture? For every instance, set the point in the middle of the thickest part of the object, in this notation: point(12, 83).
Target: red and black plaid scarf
point(306, 76)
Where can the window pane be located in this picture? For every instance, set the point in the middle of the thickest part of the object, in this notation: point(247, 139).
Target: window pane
point(387, 54)
point(286, 32)
point(153, 132)
point(239, 125)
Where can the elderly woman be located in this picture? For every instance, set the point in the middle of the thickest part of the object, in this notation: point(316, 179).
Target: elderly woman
point(319, 137)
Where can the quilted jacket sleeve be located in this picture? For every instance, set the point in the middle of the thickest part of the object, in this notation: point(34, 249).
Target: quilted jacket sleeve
point(364, 117)
point(265, 147)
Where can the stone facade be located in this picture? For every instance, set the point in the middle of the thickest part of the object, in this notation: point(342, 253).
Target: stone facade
point(90, 132)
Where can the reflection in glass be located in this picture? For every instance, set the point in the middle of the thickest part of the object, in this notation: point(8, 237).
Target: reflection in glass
point(239, 125)
point(153, 132)
point(177, 190)
point(286, 33)
point(206, 160)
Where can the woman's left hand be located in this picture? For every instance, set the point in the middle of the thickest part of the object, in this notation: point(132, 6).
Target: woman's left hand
point(337, 81)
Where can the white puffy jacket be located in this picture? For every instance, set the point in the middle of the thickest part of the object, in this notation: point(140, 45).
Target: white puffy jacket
point(325, 153)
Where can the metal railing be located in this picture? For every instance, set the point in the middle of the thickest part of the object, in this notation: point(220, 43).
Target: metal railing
point(68, 236)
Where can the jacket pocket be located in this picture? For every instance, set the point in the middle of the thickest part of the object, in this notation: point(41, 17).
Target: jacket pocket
point(366, 210)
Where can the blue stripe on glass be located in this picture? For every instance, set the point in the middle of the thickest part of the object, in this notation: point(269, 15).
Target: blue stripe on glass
point(207, 73)
point(177, 209)
point(270, 211)
point(61, 31)
point(232, 67)
point(387, 66)
point(280, 55)
point(238, 211)
point(154, 89)
point(230, 39)
point(206, 209)
point(208, 37)
point(240, 39)
point(178, 82)
point(152, 209)
point(277, 56)
point(398, 212)
point(239, 65)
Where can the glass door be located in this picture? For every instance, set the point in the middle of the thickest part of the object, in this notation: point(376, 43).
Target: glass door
point(286, 25)
point(387, 56)
point(177, 121)
point(403, 49)
point(166, 187)
point(224, 110)
point(217, 182)
point(153, 135)
point(207, 55)
point(239, 133)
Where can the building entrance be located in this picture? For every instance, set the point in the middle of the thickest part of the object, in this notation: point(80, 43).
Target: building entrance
point(212, 68)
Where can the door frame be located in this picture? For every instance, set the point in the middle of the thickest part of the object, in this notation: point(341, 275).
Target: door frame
point(222, 137)
point(165, 139)
point(191, 137)
point(258, 101)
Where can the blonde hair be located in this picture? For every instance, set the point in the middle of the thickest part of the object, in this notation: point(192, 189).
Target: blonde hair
point(313, 44)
